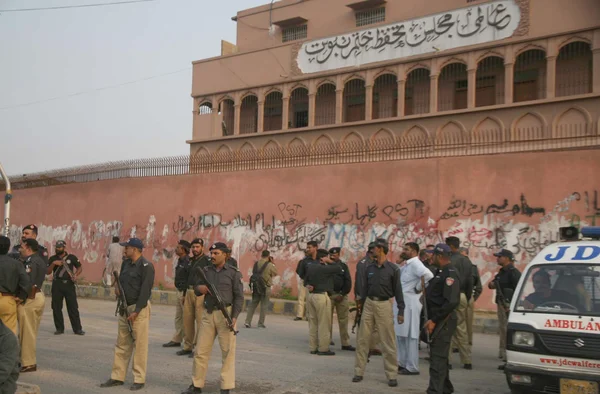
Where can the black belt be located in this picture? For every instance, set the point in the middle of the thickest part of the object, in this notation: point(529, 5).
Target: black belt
point(212, 310)
point(7, 294)
point(378, 298)
point(319, 292)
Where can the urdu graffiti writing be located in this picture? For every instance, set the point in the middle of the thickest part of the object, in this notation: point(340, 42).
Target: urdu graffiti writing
point(467, 26)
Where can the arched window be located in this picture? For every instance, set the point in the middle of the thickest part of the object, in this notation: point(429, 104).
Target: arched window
point(227, 112)
point(489, 84)
point(249, 115)
point(298, 115)
point(452, 87)
point(574, 66)
point(416, 92)
point(273, 111)
point(530, 76)
point(385, 97)
point(205, 108)
point(354, 101)
point(325, 104)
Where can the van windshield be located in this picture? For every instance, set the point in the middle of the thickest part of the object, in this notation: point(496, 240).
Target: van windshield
point(564, 289)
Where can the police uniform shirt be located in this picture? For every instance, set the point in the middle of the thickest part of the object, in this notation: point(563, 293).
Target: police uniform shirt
point(321, 276)
point(36, 268)
point(59, 272)
point(232, 262)
point(42, 251)
point(361, 267)
point(509, 278)
point(443, 294)
point(342, 283)
point(383, 282)
point(13, 278)
point(228, 282)
point(137, 279)
point(182, 271)
point(477, 286)
point(303, 266)
point(463, 267)
point(197, 263)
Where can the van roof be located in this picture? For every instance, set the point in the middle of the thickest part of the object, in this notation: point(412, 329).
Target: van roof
point(585, 252)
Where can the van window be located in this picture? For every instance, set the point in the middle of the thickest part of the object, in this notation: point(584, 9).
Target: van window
point(566, 289)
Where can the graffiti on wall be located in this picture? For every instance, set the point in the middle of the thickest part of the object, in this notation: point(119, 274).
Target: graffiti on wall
point(523, 226)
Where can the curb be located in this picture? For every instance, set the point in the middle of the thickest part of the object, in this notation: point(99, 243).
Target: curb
point(26, 388)
point(484, 322)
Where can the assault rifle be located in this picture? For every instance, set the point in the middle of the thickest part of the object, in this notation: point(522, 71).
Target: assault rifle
point(503, 299)
point(220, 303)
point(358, 315)
point(122, 304)
point(69, 270)
point(425, 313)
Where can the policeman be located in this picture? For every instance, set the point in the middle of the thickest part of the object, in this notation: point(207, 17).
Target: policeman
point(443, 297)
point(507, 279)
point(9, 360)
point(464, 268)
point(477, 290)
point(65, 268)
point(342, 284)
point(230, 260)
point(181, 275)
point(14, 286)
point(361, 267)
point(136, 279)
point(228, 282)
point(30, 232)
point(319, 284)
point(30, 313)
point(193, 305)
point(310, 258)
point(379, 283)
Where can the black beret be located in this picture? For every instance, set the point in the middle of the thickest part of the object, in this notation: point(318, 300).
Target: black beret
point(198, 241)
point(31, 227)
point(185, 243)
point(220, 246)
point(322, 253)
point(335, 250)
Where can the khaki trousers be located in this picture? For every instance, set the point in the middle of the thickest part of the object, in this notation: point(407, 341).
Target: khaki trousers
point(381, 315)
point(178, 336)
point(214, 325)
point(125, 346)
point(192, 317)
point(319, 322)
point(30, 316)
point(301, 299)
point(502, 323)
point(470, 318)
point(462, 340)
point(341, 308)
point(8, 312)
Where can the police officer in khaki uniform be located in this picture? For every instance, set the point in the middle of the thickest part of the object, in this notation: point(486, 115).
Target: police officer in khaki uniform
point(379, 283)
point(30, 232)
point(14, 285)
point(310, 258)
point(182, 270)
point(342, 284)
point(443, 297)
point(228, 281)
point(30, 313)
point(319, 284)
point(361, 267)
point(136, 279)
point(193, 304)
point(63, 287)
point(505, 282)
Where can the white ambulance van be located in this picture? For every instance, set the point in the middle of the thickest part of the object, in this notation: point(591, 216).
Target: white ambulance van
point(553, 336)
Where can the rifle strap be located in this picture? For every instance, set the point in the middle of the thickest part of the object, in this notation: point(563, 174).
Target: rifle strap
point(262, 269)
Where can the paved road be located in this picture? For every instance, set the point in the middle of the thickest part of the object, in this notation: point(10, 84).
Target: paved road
point(274, 360)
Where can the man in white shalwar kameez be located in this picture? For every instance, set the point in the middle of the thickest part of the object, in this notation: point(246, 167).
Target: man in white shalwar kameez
point(407, 334)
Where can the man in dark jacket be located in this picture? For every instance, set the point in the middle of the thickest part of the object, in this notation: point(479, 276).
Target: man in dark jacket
point(342, 284)
point(9, 360)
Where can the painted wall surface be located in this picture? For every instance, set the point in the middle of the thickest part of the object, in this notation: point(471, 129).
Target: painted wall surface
point(514, 201)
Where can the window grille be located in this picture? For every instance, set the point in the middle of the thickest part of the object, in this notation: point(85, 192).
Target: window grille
point(294, 33)
point(369, 17)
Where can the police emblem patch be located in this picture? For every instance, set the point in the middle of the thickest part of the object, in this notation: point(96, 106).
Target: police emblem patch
point(449, 281)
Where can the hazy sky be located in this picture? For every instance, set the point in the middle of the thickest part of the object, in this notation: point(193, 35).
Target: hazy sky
point(56, 53)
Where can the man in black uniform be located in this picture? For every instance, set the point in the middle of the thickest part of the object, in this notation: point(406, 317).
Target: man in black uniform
point(319, 284)
point(230, 260)
point(193, 305)
point(228, 282)
point(30, 232)
point(181, 275)
point(464, 268)
point(311, 258)
point(137, 279)
point(379, 283)
point(361, 267)
point(65, 268)
point(443, 296)
point(342, 284)
point(14, 285)
point(507, 279)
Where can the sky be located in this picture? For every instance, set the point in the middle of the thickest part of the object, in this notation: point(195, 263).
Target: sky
point(48, 57)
